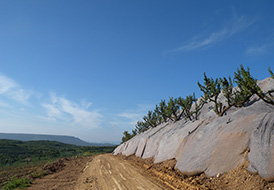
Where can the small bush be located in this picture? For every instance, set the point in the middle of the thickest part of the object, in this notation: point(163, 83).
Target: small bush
point(17, 183)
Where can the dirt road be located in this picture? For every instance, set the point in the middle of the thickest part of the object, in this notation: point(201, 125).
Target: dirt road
point(107, 172)
point(102, 172)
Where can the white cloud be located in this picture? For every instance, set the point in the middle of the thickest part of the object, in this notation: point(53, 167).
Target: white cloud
point(52, 111)
point(86, 104)
point(231, 28)
point(259, 50)
point(63, 109)
point(6, 84)
point(22, 109)
point(129, 118)
point(4, 105)
point(129, 115)
point(11, 89)
point(20, 95)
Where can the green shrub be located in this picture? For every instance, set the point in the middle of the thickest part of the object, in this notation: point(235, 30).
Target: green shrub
point(189, 108)
point(17, 183)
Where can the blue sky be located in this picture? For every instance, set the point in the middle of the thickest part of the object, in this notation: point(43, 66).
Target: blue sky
point(92, 69)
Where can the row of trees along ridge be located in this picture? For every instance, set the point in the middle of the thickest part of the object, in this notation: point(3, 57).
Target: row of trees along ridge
point(189, 108)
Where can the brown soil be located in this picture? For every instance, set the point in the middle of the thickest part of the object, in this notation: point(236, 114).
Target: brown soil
point(104, 172)
point(239, 178)
point(121, 172)
point(107, 172)
point(21, 171)
point(62, 174)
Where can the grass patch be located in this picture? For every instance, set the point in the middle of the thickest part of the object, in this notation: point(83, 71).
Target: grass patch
point(18, 173)
point(15, 183)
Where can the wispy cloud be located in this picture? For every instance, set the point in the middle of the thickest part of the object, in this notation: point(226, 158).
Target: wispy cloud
point(261, 47)
point(259, 50)
point(11, 89)
point(4, 105)
point(129, 115)
point(129, 118)
point(236, 25)
point(61, 108)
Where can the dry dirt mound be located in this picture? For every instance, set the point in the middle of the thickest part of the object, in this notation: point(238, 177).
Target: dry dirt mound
point(63, 174)
point(56, 166)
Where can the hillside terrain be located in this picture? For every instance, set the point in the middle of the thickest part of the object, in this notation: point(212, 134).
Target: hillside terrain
point(107, 172)
point(212, 144)
point(25, 160)
point(12, 151)
point(58, 138)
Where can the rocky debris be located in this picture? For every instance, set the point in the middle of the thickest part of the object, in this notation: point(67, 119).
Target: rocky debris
point(213, 145)
point(56, 166)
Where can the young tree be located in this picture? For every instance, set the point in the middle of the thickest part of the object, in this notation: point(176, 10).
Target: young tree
point(126, 136)
point(197, 107)
point(151, 118)
point(163, 110)
point(141, 127)
point(227, 89)
point(212, 90)
point(271, 73)
point(270, 92)
point(186, 105)
point(248, 85)
point(134, 132)
point(157, 111)
point(243, 94)
point(172, 109)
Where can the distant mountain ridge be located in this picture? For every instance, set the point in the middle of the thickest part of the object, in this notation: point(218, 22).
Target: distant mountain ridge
point(59, 138)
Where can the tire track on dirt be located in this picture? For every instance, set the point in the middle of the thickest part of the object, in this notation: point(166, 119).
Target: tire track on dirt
point(106, 172)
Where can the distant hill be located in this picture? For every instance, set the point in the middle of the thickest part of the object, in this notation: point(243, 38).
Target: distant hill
point(14, 151)
point(59, 138)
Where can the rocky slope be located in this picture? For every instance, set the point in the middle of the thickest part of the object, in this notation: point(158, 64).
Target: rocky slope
point(213, 144)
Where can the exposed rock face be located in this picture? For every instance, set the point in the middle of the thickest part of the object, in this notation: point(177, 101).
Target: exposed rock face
point(213, 144)
point(261, 154)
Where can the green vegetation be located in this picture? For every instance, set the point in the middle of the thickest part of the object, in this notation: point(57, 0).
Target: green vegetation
point(20, 174)
point(22, 162)
point(127, 136)
point(271, 73)
point(186, 104)
point(16, 152)
point(249, 85)
point(212, 90)
point(189, 108)
point(17, 183)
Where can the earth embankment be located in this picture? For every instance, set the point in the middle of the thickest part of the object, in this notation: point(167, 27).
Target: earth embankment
point(213, 144)
point(130, 173)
